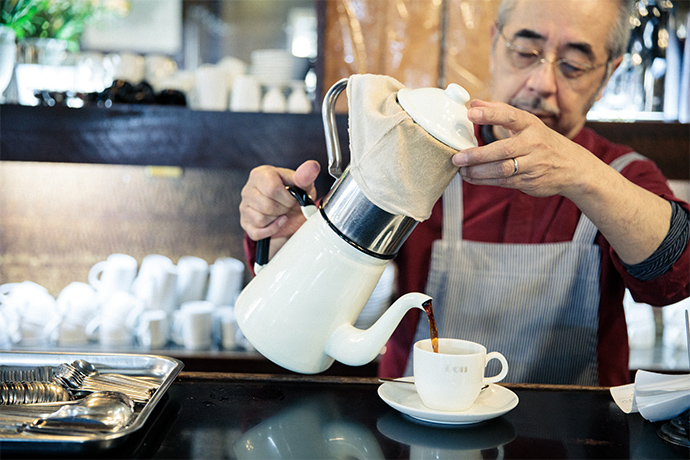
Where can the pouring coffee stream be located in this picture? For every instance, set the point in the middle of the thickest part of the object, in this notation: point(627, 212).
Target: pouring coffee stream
point(300, 308)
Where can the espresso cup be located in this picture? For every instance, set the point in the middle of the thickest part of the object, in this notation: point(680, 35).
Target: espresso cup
point(452, 379)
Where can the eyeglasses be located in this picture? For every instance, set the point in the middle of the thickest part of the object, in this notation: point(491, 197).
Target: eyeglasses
point(522, 57)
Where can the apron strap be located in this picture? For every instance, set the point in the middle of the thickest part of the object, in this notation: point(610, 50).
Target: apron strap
point(586, 230)
point(453, 210)
point(453, 206)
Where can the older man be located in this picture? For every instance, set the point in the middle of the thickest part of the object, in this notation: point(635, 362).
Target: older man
point(531, 252)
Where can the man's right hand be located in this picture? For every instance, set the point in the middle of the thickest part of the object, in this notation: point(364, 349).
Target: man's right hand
point(267, 209)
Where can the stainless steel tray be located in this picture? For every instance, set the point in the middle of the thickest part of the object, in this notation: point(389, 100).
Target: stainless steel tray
point(161, 369)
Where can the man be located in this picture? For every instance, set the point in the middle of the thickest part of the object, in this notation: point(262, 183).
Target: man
point(531, 252)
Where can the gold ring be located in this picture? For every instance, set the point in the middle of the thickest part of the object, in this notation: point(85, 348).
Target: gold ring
point(515, 164)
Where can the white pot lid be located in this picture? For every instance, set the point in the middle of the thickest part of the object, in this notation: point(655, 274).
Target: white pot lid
point(442, 113)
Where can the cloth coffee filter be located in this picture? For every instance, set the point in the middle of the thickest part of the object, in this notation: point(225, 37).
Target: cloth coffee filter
point(398, 166)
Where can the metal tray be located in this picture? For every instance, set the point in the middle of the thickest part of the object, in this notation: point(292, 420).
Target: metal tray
point(159, 368)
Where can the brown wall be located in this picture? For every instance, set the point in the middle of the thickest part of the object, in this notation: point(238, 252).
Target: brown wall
point(57, 220)
point(369, 36)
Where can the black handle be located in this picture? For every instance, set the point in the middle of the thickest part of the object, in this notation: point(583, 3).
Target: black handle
point(262, 246)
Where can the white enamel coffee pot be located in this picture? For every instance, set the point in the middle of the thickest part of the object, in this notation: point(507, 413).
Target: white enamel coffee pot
point(300, 309)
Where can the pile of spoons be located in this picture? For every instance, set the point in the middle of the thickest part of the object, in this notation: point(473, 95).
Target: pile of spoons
point(31, 392)
point(83, 376)
point(99, 412)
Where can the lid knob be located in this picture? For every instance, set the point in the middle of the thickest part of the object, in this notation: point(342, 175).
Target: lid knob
point(457, 93)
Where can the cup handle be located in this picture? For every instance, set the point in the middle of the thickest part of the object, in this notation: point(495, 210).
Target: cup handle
point(504, 367)
point(95, 274)
point(92, 328)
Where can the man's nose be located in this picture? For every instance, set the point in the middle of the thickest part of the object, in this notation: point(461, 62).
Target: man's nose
point(543, 78)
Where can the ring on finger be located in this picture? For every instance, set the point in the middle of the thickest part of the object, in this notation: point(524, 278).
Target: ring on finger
point(515, 167)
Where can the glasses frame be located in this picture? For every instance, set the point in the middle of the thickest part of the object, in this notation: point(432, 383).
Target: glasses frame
point(541, 59)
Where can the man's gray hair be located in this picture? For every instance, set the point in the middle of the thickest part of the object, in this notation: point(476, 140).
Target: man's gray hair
point(618, 36)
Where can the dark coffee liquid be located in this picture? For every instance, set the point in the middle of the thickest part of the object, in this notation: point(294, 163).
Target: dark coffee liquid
point(433, 330)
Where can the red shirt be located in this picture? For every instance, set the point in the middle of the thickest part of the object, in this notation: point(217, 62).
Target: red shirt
point(498, 215)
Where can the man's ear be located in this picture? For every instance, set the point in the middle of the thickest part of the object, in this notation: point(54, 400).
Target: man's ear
point(614, 65)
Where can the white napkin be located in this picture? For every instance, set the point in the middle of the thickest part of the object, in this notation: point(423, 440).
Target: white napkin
point(655, 396)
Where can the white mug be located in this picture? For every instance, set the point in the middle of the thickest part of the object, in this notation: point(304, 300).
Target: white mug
point(78, 303)
point(192, 278)
point(211, 88)
point(225, 281)
point(153, 329)
point(452, 379)
point(226, 328)
point(114, 274)
point(114, 326)
point(246, 94)
point(156, 284)
point(28, 308)
point(193, 325)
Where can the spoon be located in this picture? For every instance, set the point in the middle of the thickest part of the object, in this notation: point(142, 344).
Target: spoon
point(99, 412)
point(385, 379)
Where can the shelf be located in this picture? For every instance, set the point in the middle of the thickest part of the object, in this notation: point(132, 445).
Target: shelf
point(177, 136)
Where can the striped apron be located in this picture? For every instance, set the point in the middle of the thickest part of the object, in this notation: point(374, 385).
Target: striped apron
point(537, 304)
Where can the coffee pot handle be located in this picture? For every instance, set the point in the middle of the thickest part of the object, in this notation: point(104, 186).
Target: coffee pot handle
point(335, 158)
point(308, 209)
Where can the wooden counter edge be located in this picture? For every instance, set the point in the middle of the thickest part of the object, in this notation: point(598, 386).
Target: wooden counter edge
point(326, 379)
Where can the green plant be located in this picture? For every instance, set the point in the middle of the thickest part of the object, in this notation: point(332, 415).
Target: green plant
point(61, 19)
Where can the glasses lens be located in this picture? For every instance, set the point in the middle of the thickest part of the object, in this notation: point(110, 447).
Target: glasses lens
point(570, 69)
point(522, 58)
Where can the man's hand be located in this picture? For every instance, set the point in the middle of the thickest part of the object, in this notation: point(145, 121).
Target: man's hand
point(547, 162)
point(267, 209)
point(633, 220)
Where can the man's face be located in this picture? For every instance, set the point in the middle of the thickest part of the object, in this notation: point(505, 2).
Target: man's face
point(575, 30)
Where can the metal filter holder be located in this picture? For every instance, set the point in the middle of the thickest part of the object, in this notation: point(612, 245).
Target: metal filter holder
point(346, 209)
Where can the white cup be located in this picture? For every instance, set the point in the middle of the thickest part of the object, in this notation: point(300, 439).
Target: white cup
point(28, 308)
point(192, 278)
point(112, 275)
point(78, 303)
point(153, 329)
point(193, 325)
point(156, 284)
point(211, 88)
point(452, 379)
point(128, 66)
point(114, 326)
point(226, 328)
point(274, 101)
point(246, 94)
point(225, 281)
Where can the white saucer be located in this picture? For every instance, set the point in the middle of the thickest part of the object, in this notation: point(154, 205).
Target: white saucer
point(492, 402)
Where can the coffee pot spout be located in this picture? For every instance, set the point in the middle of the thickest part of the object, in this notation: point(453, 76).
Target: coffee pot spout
point(356, 347)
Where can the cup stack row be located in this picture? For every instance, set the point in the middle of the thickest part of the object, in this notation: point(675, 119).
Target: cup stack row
point(190, 304)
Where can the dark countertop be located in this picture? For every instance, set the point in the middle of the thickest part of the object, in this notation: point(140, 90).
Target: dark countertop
point(218, 416)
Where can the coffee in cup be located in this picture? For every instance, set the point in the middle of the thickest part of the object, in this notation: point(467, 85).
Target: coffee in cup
point(452, 379)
